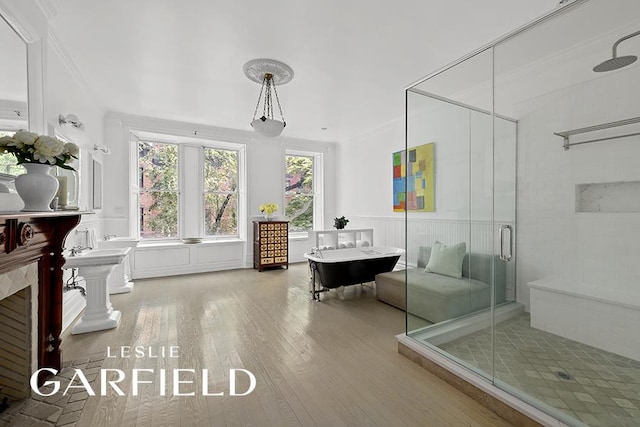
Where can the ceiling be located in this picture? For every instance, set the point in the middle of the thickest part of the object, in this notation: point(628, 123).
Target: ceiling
point(352, 59)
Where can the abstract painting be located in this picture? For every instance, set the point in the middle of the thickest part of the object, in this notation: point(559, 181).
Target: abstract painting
point(416, 164)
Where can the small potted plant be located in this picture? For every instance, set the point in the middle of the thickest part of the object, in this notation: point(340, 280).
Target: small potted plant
point(340, 223)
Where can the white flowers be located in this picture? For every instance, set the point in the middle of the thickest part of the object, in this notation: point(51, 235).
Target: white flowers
point(23, 138)
point(47, 149)
point(29, 147)
point(72, 149)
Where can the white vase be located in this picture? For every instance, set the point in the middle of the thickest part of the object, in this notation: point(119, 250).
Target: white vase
point(36, 188)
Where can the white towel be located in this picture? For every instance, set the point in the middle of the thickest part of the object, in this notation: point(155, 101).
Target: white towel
point(92, 241)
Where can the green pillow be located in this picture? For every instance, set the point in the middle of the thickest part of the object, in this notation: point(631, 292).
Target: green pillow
point(447, 260)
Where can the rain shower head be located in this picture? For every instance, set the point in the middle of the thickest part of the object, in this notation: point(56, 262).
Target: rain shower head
point(617, 62)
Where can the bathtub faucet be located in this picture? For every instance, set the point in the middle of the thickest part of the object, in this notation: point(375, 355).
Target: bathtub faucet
point(108, 236)
point(316, 251)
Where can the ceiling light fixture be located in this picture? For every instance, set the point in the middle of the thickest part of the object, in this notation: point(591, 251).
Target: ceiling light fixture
point(269, 73)
point(70, 119)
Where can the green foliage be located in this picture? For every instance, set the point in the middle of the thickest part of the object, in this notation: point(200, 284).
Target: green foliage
point(8, 161)
point(158, 165)
point(340, 223)
point(8, 165)
point(299, 192)
point(221, 184)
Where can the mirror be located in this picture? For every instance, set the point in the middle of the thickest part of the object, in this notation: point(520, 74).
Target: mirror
point(13, 93)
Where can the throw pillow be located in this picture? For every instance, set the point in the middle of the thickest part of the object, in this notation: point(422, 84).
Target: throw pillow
point(447, 260)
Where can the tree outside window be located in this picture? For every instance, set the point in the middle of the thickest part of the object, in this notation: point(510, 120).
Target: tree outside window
point(299, 194)
point(8, 161)
point(158, 189)
point(220, 192)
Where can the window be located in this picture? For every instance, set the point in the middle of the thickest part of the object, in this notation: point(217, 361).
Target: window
point(8, 161)
point(220, 192)
point(303, 201)
point(184, 187)
point(158, 189)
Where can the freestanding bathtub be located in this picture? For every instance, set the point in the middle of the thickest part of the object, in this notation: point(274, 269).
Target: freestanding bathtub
point(343, 267)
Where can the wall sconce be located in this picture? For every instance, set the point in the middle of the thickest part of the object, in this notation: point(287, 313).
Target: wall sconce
point(70, 119)
point(102, 148)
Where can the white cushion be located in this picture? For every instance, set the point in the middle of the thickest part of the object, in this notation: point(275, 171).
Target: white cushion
point(447, 260)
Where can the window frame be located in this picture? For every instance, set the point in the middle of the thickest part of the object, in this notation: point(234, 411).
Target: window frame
point(318, 186)
point(138, 180)
point(237, 193)
point(190, 186)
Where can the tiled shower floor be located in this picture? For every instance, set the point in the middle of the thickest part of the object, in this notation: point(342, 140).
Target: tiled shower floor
point(601, 389)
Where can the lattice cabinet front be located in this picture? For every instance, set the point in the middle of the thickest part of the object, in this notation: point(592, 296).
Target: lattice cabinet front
point(270, 244)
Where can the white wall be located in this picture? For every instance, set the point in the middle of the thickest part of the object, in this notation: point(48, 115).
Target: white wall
point(554, 242)
point(65, 94)
point(265, 183)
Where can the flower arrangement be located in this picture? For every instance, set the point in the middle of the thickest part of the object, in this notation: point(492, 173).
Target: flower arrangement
point(268, 208)
point(340, 223)
point(29, 147)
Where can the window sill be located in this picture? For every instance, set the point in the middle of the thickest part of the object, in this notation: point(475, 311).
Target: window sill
point(302, 236)
point(159, 244)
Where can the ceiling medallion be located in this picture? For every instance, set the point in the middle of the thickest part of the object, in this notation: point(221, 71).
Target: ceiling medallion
point(269, 73)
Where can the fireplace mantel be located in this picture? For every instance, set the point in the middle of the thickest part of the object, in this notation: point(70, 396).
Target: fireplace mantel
point(27, 237)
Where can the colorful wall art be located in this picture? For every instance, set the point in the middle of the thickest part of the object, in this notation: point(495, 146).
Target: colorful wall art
point(417, 167)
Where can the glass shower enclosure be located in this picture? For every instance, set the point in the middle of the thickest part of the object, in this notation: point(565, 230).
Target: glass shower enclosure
point(522, 267)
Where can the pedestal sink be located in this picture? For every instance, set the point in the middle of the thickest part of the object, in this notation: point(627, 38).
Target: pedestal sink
point(95, 266)
point(119, 281)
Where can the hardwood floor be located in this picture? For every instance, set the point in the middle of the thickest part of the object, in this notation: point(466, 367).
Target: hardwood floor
point(327, 364)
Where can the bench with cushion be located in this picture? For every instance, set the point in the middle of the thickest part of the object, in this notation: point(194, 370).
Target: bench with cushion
point(437, 297)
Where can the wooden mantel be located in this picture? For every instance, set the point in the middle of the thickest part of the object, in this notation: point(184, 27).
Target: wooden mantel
point(27, 237)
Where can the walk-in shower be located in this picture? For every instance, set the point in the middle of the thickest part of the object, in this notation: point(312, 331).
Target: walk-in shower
point(552, 225)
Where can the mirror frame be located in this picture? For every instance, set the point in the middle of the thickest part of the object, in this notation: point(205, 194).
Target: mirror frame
point(96, 202)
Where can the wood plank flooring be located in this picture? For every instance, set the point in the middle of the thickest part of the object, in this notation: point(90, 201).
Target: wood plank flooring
point(333, 363)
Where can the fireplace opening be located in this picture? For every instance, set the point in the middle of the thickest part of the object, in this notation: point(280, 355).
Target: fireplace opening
point(17, 333)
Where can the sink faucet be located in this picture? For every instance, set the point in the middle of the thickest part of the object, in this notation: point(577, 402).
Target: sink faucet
point(78, 249)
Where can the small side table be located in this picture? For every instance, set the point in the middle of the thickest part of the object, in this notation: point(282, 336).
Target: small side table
point(270, 244)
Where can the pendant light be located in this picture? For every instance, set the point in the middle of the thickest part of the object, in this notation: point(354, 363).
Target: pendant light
point(269, 73)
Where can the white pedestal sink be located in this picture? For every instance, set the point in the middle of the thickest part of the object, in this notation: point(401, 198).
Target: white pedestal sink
point(95, 267)
point(119, 281)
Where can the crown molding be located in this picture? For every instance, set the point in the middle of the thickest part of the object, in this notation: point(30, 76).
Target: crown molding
point(207, 132)
point(47, 8)
point(15, 17)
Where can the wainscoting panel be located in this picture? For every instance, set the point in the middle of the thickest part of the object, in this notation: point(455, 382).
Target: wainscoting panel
point(220, 252)
point(174, 259)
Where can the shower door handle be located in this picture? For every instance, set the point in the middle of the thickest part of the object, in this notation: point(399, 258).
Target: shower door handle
point(503, 257)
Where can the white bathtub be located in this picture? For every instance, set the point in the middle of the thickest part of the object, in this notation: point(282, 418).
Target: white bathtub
point(596, 316)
